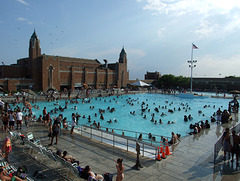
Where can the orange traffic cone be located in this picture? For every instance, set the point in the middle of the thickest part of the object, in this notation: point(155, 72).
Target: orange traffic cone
point(163, 155)
point(161, 149)
point(158, 155)
point(167, 152)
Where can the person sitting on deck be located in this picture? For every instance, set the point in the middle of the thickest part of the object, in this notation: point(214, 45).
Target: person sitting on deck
point(70, 158)
point(88, 173)
point(5, 177)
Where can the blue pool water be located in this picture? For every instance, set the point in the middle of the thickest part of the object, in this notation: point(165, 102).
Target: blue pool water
point(127, 121)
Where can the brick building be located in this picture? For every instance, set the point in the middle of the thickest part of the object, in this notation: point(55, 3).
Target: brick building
point(152, 75)
point(216, 84)
point(42, 72)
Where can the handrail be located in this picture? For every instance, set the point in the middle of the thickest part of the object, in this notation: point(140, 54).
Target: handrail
point(128, 143)
point(156, 139)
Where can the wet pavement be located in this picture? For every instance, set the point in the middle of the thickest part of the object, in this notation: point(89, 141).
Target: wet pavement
point(191, 160)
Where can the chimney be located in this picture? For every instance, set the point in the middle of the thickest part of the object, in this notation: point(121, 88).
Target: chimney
point(105, 62)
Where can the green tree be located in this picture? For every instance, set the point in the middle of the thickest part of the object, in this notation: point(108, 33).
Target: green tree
point(171, 81)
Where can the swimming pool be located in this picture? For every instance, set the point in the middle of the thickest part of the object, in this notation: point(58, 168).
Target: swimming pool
point(129, 103)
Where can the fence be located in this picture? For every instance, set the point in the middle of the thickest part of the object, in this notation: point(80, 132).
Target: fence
point(148, 148)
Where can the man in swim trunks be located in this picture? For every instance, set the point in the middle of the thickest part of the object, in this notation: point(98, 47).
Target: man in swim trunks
point(12, 119)
point(19, 117)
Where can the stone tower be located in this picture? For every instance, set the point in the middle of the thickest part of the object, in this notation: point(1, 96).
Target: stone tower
point(123, 75)
point(34, 46)
point(123, 56)
point(34, 62)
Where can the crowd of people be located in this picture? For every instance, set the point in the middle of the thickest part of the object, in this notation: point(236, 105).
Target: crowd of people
point(56, 124)
point(16, 116)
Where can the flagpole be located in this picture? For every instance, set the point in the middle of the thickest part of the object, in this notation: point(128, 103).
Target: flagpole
point(191, 65)
point(191, 68)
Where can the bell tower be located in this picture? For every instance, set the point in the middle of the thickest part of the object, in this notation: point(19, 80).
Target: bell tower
point(123, 56)
point(34, 46)
point(122, 74)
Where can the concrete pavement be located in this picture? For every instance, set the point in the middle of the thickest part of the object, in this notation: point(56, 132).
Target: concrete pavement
point(192, 159)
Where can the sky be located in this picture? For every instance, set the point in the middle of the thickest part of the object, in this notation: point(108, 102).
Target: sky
point(157, 35)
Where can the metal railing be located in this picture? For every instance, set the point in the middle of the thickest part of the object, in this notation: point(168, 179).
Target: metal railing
point(148, 147)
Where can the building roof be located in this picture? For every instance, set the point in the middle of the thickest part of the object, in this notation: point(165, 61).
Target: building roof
point(73, 59)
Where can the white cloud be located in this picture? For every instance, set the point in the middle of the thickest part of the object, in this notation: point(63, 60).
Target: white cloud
point(234, 23)
point(21, 19)
point(23, 2)
point(212, 14)
point(160, 32)
point(211, 66)
point(178, 7)
point(24, 20)
point(205, 29)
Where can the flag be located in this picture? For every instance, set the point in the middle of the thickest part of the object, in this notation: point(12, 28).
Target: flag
point(194, 46)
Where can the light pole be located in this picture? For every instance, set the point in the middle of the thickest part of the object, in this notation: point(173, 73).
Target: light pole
point(192, 64)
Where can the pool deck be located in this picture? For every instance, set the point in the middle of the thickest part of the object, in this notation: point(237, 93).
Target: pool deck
point(192, 160)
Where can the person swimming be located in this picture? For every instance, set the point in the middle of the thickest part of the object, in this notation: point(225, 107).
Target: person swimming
point(152, 119)
point(150, 135)
point(89, 119)
point(190, 117)
point(163, 114)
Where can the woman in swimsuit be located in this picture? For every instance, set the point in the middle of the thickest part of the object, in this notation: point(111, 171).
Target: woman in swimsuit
point(120, 169)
